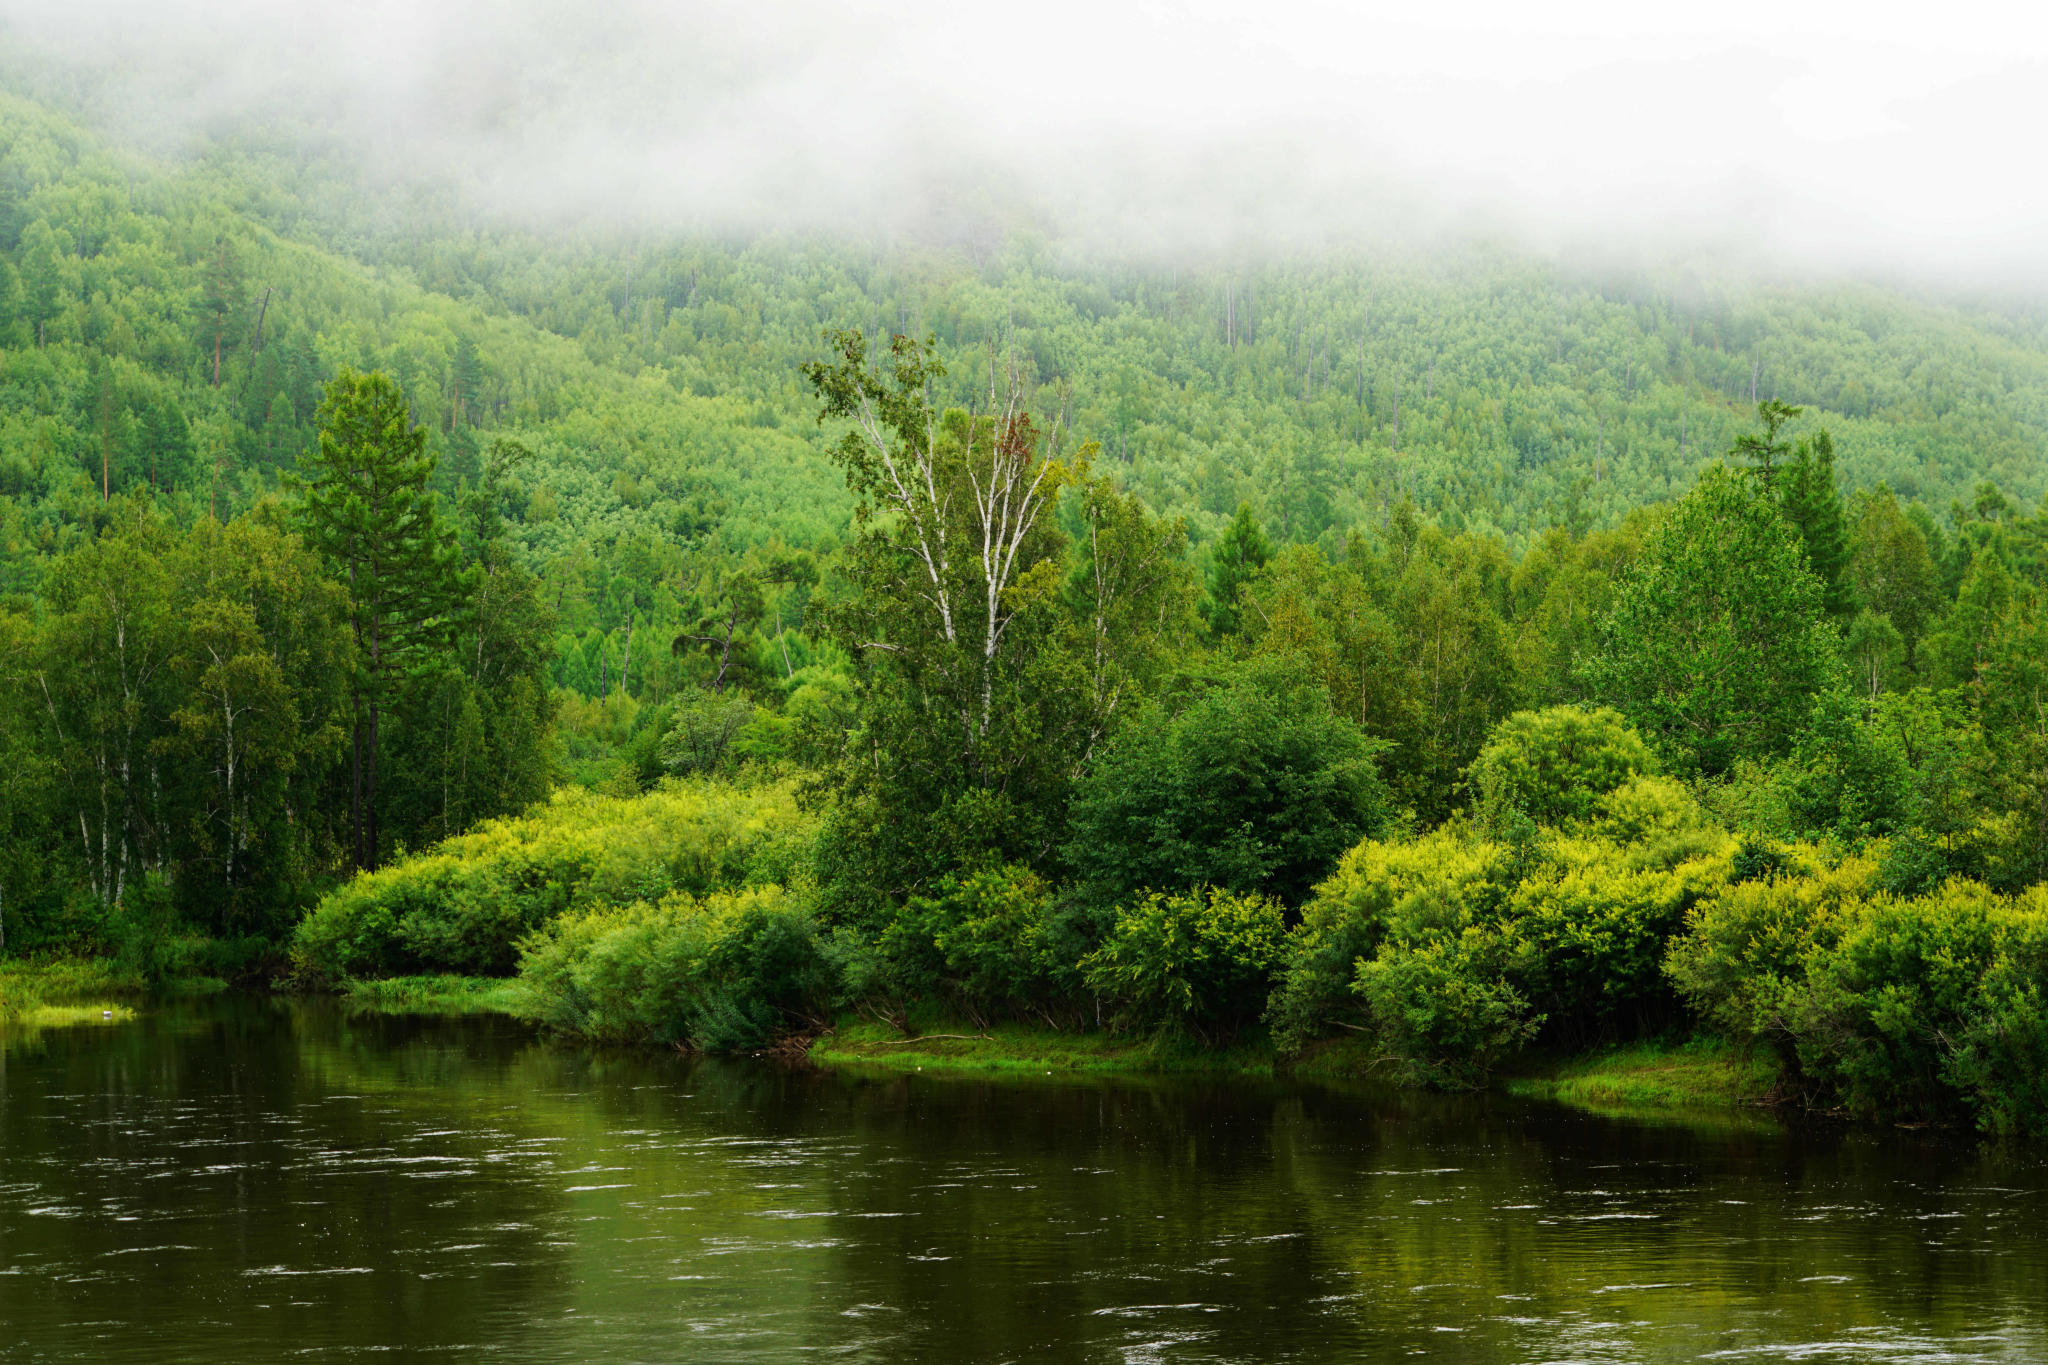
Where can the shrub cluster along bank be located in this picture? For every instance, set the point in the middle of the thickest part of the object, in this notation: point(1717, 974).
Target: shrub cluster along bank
point(1585, 898)
point(463, 906)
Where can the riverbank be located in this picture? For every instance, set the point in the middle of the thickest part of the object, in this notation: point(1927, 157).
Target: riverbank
point(66, 991)
point(438, 995)
point(1695, 1074)
point(1023, 1050)
point(1699, 1073)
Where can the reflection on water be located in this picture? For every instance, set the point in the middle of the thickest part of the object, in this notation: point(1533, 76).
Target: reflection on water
point(252, 1180)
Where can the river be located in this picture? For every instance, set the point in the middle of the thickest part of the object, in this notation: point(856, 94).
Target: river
point(254, 1179)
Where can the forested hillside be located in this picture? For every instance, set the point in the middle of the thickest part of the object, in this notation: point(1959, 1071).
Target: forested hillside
point(169, 328)
point(1428, 643)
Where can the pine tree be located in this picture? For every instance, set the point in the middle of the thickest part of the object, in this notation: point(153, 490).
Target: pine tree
point(1813, 504)
point(221, 301)
point(464, 383)
point(44, 255)
point(1767, 450)
point(367, 510)
point(1237, 558)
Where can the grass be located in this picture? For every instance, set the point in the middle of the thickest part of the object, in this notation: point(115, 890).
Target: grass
point(63, 1016)
point(437, 995)
point(64, 991)
point(1695, 1077)
point(1022, 1050)
point(69, 990)
point(1700, 1073)
point(26, 986)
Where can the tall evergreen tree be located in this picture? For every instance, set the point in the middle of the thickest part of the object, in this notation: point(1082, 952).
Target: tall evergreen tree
point(366, 508)
point(1766, 452)
point(1234, 562)
point(1813, 504)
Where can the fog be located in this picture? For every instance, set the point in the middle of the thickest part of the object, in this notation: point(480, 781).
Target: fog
point(1860, 137)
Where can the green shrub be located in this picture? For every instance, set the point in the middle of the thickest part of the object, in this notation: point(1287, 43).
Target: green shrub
point(1437, 877)
point(1250, 784)
point(1443, 1007)
point(1200, 960)
point(716, 973)
point(1923, 1007)
point(1594, 920)
point(1554, 765)
point(462, 905)
point(991, 941)
point(2000, 1058)
point(1743, 957)
point(1455, 947)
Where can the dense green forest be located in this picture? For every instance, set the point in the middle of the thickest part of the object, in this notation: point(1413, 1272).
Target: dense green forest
point(1455, 648)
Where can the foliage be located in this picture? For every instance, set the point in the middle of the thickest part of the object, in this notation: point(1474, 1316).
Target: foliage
point(715, 973)
point(700, 735)
point(1246, 782)
point(463, 905)
point(1444, 1010)
point(367, 511)
point(1717, 644)
point(1812, 502)
point(1921, 1007)
point(1239, 553)
point(1199, 959)
point(1552, 766)
point(985, 943)
point(1454, 949)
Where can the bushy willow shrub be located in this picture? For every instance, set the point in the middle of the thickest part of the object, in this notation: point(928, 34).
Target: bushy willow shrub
point(1457, 948)
point(716, 973)
point(1552, 766)
point(463, 905)
point(1925, 1007)
point(1201, 960)
point(986, 943)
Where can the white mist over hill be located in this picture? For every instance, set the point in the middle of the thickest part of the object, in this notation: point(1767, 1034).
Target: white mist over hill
point(1861, 137)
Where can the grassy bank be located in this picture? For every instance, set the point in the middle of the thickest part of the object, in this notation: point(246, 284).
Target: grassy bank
point(66, 991)
point(1021, 1049)
point(27, 986)
point(1698, 1074)
point(438, 995)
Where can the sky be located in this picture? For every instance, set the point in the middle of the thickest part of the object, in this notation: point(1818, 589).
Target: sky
point(1882, 135)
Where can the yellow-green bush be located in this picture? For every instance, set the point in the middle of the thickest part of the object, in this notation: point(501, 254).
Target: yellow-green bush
point(1917, 1007)
point(1454, 948)
point(1554, 765)
point(717, 972)
point(1200, 959)
point(462, 905)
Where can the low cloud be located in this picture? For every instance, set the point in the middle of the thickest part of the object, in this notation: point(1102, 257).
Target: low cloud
point(1864, 139)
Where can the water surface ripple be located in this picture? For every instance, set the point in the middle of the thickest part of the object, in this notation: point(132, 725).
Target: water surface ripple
point(264, 1180)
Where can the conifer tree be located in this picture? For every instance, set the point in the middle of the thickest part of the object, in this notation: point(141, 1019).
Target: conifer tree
point(1235, 561)
point(1766, 451)
point(1813, 504)
point(367, 510)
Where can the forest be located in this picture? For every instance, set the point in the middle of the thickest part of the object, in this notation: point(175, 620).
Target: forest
point(1455, 653)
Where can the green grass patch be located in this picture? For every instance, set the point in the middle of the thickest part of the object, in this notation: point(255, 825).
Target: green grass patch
point(1700, 1073)
point(1019, 1049)
point(438, 995)
point(27, 985)
point(64, 1016)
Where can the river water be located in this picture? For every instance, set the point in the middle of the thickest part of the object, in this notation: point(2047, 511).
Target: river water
point(268, 1180)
